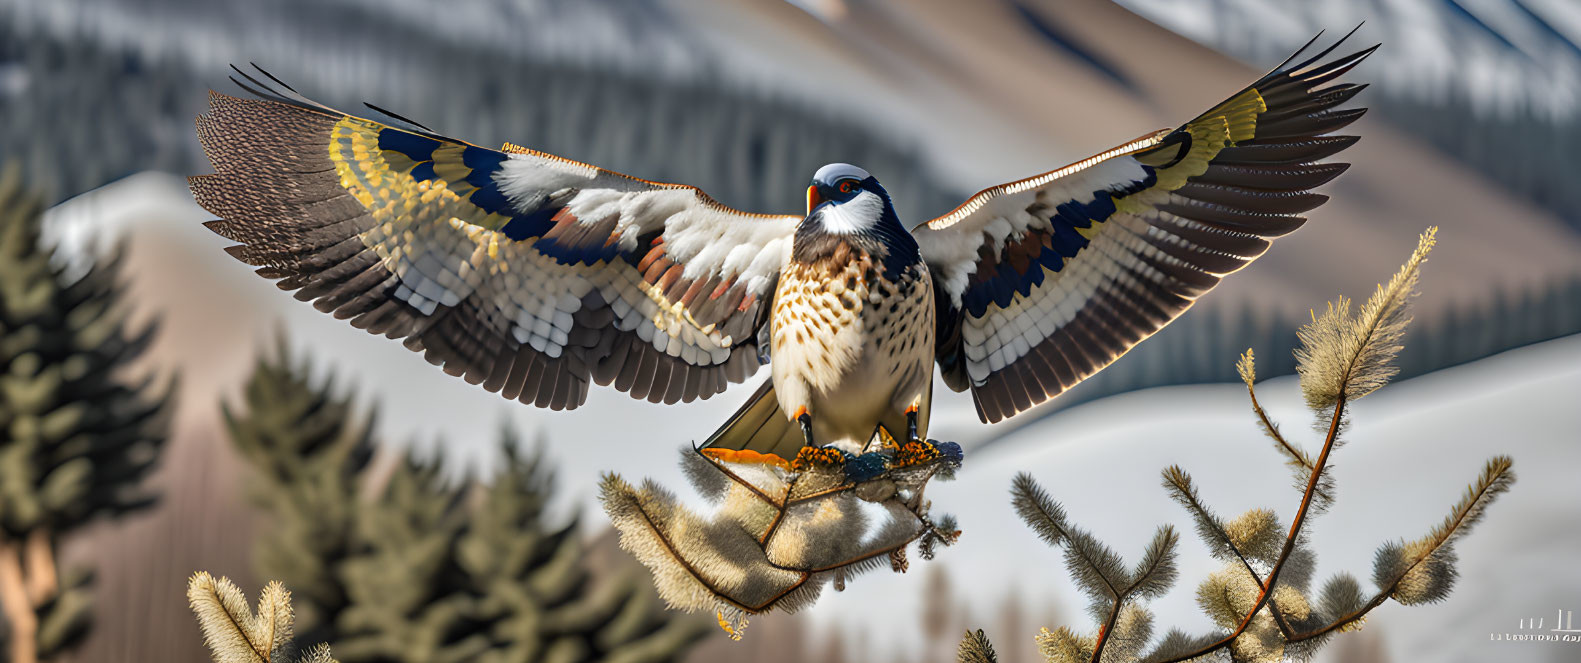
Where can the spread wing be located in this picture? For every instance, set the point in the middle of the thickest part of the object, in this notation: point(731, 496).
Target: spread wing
point(521, 271)
point(1044, 281)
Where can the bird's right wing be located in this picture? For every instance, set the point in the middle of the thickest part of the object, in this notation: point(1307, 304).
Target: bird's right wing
point(527, 273)
point(1045, 281)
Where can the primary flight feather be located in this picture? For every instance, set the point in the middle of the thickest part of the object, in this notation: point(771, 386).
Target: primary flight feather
point(536, 276)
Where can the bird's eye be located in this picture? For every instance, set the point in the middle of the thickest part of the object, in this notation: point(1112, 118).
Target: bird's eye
point(847, 186)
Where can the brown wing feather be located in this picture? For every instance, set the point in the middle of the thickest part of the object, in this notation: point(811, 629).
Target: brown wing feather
point(315, 200)
point(1047, 280)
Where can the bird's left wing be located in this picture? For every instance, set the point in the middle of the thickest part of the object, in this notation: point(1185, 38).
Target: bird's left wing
point(527, 273)
point(1045, 281)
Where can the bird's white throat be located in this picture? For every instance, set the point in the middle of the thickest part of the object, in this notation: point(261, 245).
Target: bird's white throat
point(858, 214)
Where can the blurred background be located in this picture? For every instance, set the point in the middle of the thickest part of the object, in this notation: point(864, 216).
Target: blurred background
point(1476, 128)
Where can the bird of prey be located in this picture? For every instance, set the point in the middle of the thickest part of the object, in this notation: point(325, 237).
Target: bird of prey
point(536, 276)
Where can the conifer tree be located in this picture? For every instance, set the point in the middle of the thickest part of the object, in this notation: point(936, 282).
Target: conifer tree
point(414, 564)
point(408, 594)
point(307, 448)
point(449, 574)
point(529, 580)
point(76, 438)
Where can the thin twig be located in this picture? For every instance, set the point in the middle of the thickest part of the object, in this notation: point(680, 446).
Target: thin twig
point(1273, 607)
point(1103, 632)
point(779, 515)
point(774, 525)
point(737, 478)
point(664, 540)
point(1293, 452)
point(1114, 613)
point(781, 506)
point(1224, 537)
point(926, 526)
point(805, 576)
point(1291, 539)
point(821, 494)
point(1384, 593)
point(1343, 621)
point(871, 554)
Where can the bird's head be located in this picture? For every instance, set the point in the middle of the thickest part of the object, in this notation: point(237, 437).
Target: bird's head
point(845, 199)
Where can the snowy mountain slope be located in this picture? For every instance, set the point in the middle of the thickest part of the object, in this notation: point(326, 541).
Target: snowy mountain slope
point(1502, 55)
point(349, 38)
point(1412, 448)
point(1496, 84)
point(1423, 438)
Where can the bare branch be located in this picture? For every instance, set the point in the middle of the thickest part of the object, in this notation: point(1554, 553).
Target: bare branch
point(784, 528)
point(1419, 572)
point(1221, 543)
point(1299, 461)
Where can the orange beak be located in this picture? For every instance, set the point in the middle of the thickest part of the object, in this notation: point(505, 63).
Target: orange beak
point(813, 199)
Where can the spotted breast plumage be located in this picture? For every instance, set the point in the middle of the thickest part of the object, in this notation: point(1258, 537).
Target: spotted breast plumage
point(852, 322)
point(536, 276)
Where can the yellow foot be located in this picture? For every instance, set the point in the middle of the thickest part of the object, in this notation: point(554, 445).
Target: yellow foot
point(731, 630)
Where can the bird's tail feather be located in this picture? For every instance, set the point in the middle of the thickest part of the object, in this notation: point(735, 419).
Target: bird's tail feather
point(761, 426)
